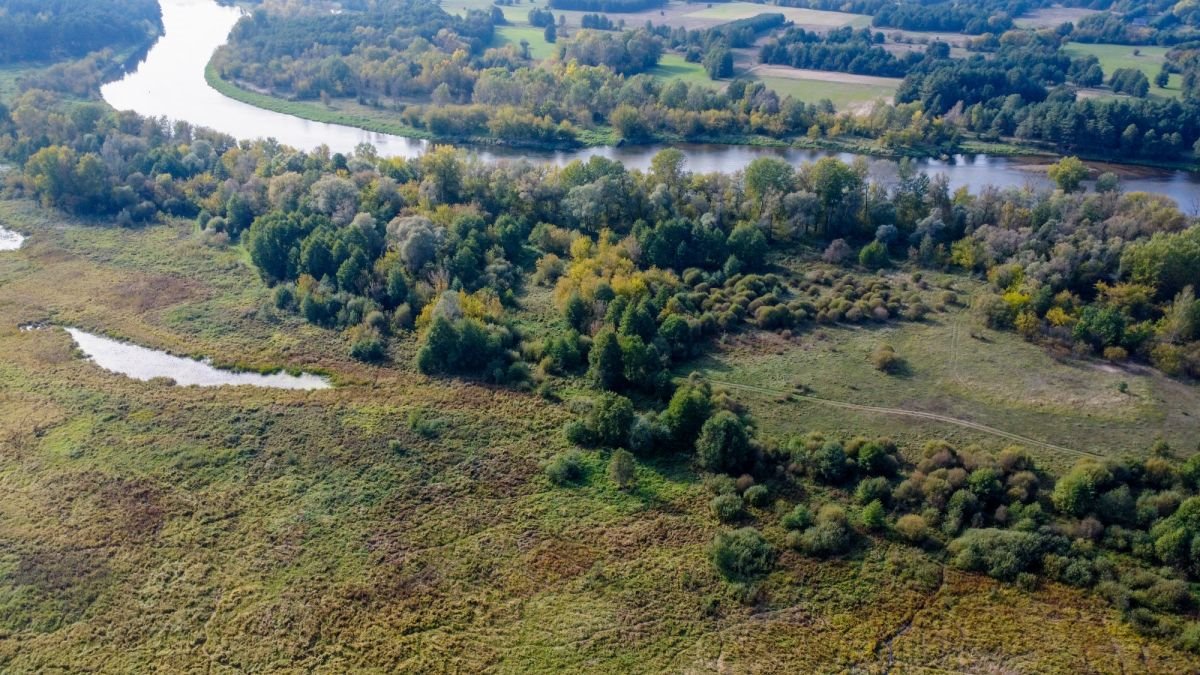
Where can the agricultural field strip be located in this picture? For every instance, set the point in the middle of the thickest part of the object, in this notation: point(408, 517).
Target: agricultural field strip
point(906, 413)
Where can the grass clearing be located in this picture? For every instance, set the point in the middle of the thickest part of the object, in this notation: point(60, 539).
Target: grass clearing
point(538, 47)
point(675, 67)
point(813, 86)
point(732, 11)
point(1071, 403)
point(1148, 59)
point(1052, 17)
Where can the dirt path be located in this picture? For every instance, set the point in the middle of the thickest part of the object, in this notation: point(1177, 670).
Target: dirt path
point(919, 414)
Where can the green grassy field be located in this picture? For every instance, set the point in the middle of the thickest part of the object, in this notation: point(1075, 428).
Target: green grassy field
point(995, 378)
point(843, 94)
point(732, 11)
point(148, 526)
point(1149, 60)
point(514, 13)
point(538, 47)
point(674, 67)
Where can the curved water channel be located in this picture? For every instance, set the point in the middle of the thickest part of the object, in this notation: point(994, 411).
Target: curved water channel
point(146, 364)
point(170, 82)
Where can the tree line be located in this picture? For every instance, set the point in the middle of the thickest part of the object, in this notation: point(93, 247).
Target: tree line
point(40, 30)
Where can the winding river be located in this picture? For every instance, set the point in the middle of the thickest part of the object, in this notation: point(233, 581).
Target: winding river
point(170, 82)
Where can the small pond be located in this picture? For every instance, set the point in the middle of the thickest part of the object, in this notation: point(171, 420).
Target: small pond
point(146, 364)
point(9, 240)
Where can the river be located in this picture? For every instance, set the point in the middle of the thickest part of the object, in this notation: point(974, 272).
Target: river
point(170, 82)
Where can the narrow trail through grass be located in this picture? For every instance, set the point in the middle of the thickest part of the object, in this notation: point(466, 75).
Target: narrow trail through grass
point(908, 413)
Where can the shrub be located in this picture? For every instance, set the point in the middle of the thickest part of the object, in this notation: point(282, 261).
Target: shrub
point(566, 468)
point(1115, 354)
point(757, 495)
point(724, 444)
point(885, 359)
point(1189, 638)
point(1076, 492)
point(912, 527)
point(872, 490)
point(838, 252)
point(873, 515)
point(1002, 554)
point(798, 518)
point(742, 554)
point(830, 535)
point(727, 508)
point(874, 459)
point(828, 462)
point(368, 346)
point(874, 255)
point(622, 470)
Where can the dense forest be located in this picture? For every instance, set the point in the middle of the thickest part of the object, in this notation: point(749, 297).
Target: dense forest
point(39, 30)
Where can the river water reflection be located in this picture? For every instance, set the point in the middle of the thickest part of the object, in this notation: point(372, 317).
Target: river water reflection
point(146, 364)
point(170, 83)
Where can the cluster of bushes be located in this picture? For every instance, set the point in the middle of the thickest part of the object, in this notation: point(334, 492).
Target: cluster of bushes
point(596, 22)
point(625, 53)
point(1130, 81)
point(1122, 528)
point(844, 50)
point(1142, 306)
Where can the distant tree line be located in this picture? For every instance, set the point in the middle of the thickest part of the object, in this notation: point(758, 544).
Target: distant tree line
point(40, 30)
point(843, 50)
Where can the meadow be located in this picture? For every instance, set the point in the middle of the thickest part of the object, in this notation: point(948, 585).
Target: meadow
point(1148, 59)
point(956, 368)
point(675, 67)
point(538, 47)
point(844, 90)
point(399, 522)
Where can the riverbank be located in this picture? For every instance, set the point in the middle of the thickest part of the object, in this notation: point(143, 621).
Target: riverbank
point(385, 122)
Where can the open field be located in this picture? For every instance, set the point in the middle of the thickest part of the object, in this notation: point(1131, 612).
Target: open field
point(807, 18)
point(845, 90)
point(1148, 59)
point(146, 526)
point(1074, 404)
point(674, 67)
point(1050, 17)
point(538, 47)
